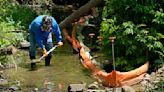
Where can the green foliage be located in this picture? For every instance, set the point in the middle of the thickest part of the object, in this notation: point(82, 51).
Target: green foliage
point(7, 36)
point(3, 59)
point(159, 16)
point(158, 87)
point(136, 10)
point(137, 26)
point(23, 14)
point(13, 17)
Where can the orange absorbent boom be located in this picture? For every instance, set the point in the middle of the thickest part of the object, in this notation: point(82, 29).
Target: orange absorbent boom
point(114, 78)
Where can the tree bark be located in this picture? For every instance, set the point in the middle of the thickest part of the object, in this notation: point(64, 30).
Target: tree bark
point(80, 12)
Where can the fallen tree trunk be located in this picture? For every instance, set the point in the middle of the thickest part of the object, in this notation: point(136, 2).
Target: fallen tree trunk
point(80, 12)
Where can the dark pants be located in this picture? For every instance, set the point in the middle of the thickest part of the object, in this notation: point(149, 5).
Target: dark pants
point(32, 50)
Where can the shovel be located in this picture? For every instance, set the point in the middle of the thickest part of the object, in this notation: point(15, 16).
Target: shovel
point(39, 60)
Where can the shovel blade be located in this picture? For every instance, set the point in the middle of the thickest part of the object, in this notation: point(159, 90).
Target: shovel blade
point(35, 61)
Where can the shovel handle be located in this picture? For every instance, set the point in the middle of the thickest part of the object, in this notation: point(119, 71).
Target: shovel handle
point(38, 60)
point(53, 48)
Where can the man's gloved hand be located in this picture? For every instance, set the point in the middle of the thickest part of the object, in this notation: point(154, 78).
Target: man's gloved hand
point(60, 44)
point(45, 52)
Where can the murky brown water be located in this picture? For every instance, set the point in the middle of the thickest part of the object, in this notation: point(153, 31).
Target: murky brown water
point(65, 69)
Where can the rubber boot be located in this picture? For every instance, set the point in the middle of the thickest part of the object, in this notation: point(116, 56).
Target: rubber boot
point(33, 65)
point(47, 61)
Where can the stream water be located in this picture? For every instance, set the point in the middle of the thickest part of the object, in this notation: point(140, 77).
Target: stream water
point(65, 69)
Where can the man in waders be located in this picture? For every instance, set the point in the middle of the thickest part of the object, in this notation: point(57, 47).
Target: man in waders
point(41, 29)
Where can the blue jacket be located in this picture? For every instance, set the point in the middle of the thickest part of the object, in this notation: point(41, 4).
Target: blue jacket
point(41, 36)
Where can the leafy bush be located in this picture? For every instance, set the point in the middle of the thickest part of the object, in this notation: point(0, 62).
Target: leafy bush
point(13, 17)
point(9, 37)
point(20, 14)
point(137, 26)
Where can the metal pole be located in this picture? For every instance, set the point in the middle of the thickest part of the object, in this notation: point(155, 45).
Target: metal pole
point(112, 41)
point(114, 65)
